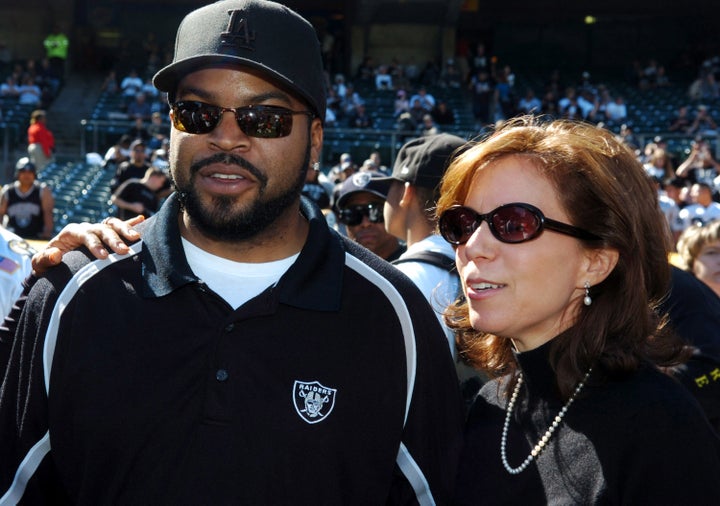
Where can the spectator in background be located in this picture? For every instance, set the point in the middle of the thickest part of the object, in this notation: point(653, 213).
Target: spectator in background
point(15, 254)
point(9, 88)
point(360, 118)
point(703, 123)
point(351, 99)
point(41, 141)
point(383, 79)
point(138, 130)
point(359, 206)
point(700, 165)
point(366, 70)
point(702, 209)
point(57, 47)
point(110, 84)
point(47, 79)
point(139, 196)
point(428, 126)
point(681, 121)
point(131, 85)
point(451, 77)
point(484, 98)
point(422, 98)
point(657, 165)
point(134, 168)
point(694, 314)
point(118, 153)
point(699, 250)
point(616, 111)
point(442, 114)
point(529, 103)
point(406, 125)
point(26, 205)
point(410, 215)
point(157, 130)
point(139, 107)
point(401, 104)
point(30, 93)
point(670, 210)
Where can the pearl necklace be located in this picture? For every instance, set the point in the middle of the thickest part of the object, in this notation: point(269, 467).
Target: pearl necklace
point(548, 433)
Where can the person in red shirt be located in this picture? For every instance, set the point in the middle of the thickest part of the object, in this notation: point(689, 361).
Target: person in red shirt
point(41, 141)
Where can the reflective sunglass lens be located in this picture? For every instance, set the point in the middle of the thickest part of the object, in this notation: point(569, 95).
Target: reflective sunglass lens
point(265, 122)
point(457, 225)
point(515, 224)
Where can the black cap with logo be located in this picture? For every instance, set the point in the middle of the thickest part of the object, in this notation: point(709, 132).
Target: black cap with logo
point(263, 35)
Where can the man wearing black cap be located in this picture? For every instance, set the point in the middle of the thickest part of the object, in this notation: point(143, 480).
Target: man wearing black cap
point(360, 208)
point(134, 168)
point(410, 215)
point(27, 203)
point(242, 352)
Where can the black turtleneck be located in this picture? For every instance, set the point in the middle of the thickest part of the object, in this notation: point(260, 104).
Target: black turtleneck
point(642, 439)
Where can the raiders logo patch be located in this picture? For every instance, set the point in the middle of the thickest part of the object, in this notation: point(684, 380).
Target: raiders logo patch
point(313, 402)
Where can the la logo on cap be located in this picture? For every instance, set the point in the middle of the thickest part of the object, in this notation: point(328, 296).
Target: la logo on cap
point(238, 34)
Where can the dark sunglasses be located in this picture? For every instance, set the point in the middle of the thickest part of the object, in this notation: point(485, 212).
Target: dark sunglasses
point(353, 215)
point(264, 121)
point(511, 223)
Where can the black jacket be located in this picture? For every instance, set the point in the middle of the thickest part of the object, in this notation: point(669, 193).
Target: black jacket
point(333, 387)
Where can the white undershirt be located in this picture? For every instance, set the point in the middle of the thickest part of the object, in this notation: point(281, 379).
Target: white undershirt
point(236, 282)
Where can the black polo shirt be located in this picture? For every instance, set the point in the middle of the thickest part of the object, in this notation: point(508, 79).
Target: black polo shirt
point(333, 387)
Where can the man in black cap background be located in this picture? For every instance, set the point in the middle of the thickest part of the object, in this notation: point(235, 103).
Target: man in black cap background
point(26, 205)
point(410, 215)
point(360, 208)
point(133, 168)
point(241, 352)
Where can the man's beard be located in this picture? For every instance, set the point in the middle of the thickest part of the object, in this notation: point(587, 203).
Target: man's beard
point(219, 221)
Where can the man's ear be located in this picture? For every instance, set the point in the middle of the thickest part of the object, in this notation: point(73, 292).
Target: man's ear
point(408, 196)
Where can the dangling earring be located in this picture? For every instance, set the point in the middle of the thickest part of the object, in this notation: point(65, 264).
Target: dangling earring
point(587, 300)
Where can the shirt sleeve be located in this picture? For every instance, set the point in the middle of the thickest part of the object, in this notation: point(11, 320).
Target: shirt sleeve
point(427, 459)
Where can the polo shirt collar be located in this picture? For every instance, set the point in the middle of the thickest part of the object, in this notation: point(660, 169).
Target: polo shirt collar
point(313, 282)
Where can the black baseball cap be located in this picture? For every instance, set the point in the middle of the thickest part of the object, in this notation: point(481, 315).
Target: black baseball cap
point(423, 161)
point(263, 35)
point(364, 181)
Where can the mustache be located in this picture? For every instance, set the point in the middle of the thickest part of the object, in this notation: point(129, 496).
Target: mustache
point(229, 159)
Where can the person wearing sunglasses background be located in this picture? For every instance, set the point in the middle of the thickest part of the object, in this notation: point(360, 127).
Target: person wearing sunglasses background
point(359, 207)
point(562, 253)
point(241, 352)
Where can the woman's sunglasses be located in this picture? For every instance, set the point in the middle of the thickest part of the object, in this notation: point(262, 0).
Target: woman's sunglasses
point(353, 215)
point(511, 223)
point(264, 121)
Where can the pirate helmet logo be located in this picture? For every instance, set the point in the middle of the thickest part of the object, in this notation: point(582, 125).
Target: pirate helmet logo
point(313, 401)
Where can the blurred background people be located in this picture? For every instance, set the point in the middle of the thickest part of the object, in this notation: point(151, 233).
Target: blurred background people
point(26, 205)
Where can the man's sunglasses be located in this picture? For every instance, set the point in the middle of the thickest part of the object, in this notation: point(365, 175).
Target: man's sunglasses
point(511, 223)
point(264, 121)
point(353, 215)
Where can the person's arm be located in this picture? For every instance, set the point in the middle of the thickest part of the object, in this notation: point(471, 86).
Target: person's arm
point(96, 237)
point(47, 202)
point(685, 167)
